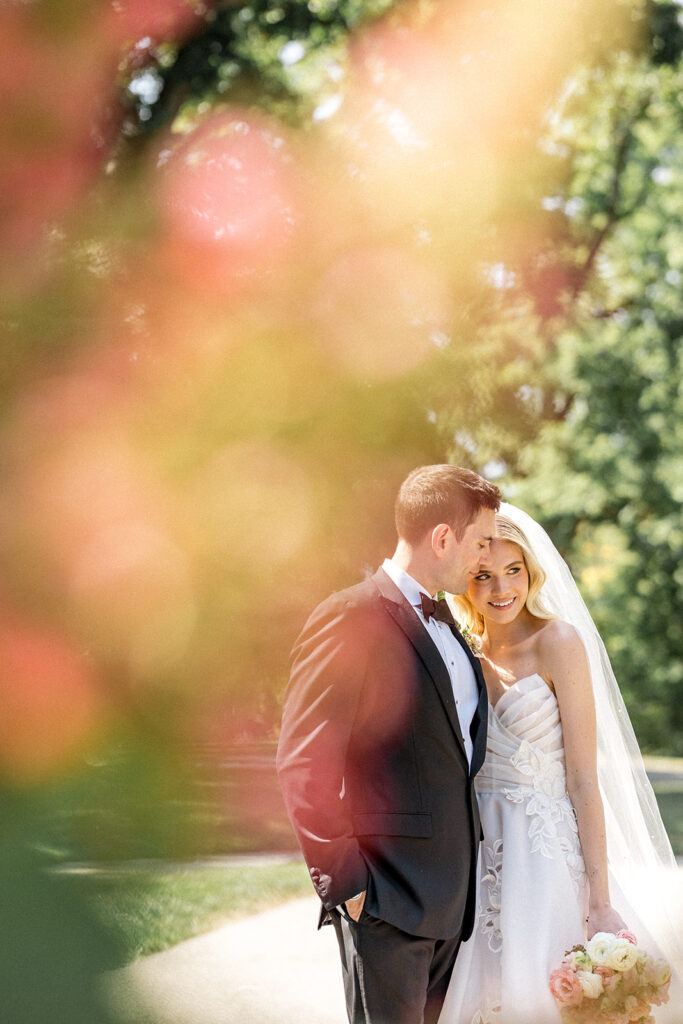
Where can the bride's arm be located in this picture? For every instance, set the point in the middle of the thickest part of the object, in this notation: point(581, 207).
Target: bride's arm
point(564, 657)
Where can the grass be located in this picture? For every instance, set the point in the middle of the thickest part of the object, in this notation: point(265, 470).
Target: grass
point(153, 910)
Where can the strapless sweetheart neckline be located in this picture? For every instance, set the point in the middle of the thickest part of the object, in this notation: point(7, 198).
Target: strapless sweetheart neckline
point(530, 858)
point(517, 683)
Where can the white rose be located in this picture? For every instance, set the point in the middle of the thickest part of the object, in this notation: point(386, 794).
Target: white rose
point(600, 947)
point(623, 956)
point(661, 973)
point(590, 983)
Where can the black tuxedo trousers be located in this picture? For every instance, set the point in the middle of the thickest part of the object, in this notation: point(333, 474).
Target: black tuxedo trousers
point(373, 769)
point(391, 977)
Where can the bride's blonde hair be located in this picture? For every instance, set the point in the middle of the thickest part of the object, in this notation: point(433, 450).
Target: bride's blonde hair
point(468, 618)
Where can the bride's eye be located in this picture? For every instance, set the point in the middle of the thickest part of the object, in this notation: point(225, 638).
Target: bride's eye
point(481, 576)
point(514, 570)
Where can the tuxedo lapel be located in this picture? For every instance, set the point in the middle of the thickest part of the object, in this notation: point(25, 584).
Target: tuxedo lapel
point(405, 616)
point(480, 720)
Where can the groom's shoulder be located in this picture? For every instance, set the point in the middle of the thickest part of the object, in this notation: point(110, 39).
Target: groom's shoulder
point(358, 603)
point(361, 596)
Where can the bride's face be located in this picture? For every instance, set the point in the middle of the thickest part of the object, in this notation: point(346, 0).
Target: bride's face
point(499, 590)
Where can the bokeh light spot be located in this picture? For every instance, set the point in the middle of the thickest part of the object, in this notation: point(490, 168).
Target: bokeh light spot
point(228, 199)
point(131, 590)
point(51, 702)
point(381, 312)
point(253, 504)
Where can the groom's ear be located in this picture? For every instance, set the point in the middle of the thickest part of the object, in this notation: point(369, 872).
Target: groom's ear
point(439, 538)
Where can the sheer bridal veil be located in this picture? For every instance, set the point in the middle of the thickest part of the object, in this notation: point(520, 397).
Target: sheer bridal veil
point(645, 880)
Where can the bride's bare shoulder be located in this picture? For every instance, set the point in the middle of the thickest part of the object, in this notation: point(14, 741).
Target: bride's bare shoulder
point(558, 636)
point(557, 631)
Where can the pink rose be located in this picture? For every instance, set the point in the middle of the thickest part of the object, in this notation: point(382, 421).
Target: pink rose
point(612, 982)
point(629, 936)
point(605, 972)
point(565, 986)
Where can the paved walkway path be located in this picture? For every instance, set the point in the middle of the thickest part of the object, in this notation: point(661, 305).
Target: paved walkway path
point(272, 968)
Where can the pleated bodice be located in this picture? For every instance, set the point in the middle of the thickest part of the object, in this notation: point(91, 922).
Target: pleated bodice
point(524, 738)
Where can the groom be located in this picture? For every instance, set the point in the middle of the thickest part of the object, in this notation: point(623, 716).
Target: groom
point(383, 731)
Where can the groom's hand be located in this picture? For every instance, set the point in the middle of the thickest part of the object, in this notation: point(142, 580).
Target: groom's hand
point(355, 906)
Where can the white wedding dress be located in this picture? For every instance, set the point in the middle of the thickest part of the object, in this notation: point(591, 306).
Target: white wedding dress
point(532, 889)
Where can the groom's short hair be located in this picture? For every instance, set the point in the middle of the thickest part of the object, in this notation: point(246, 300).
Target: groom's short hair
point(441, 494)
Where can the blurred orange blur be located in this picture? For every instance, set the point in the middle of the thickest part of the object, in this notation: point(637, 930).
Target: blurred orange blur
point(227, 199)
point(52, 702)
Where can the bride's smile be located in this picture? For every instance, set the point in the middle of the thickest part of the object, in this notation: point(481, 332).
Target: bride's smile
point(499, 590)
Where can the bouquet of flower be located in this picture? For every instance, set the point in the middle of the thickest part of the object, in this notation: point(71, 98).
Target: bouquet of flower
point(609, 981)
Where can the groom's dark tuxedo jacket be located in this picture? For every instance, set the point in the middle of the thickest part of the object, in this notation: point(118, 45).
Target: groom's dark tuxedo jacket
point(372, 763)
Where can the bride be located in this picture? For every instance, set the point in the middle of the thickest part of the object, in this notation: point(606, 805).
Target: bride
point(573, 840)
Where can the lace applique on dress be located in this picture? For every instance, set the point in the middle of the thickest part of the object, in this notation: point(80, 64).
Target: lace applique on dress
point(489, 1014)
point(489, 914)
point(548, 805)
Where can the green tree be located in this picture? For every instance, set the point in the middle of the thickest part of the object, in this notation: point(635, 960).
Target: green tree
point(285, 56)
point(609, 475)
point(577, 397)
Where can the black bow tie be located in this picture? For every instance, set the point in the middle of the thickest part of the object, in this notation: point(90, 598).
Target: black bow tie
point(438, 609)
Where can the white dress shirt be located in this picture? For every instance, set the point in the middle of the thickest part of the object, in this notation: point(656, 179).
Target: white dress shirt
point(460, 670)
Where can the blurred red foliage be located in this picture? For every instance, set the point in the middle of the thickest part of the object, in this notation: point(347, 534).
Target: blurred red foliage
point(51, 702)
point(228, 199)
